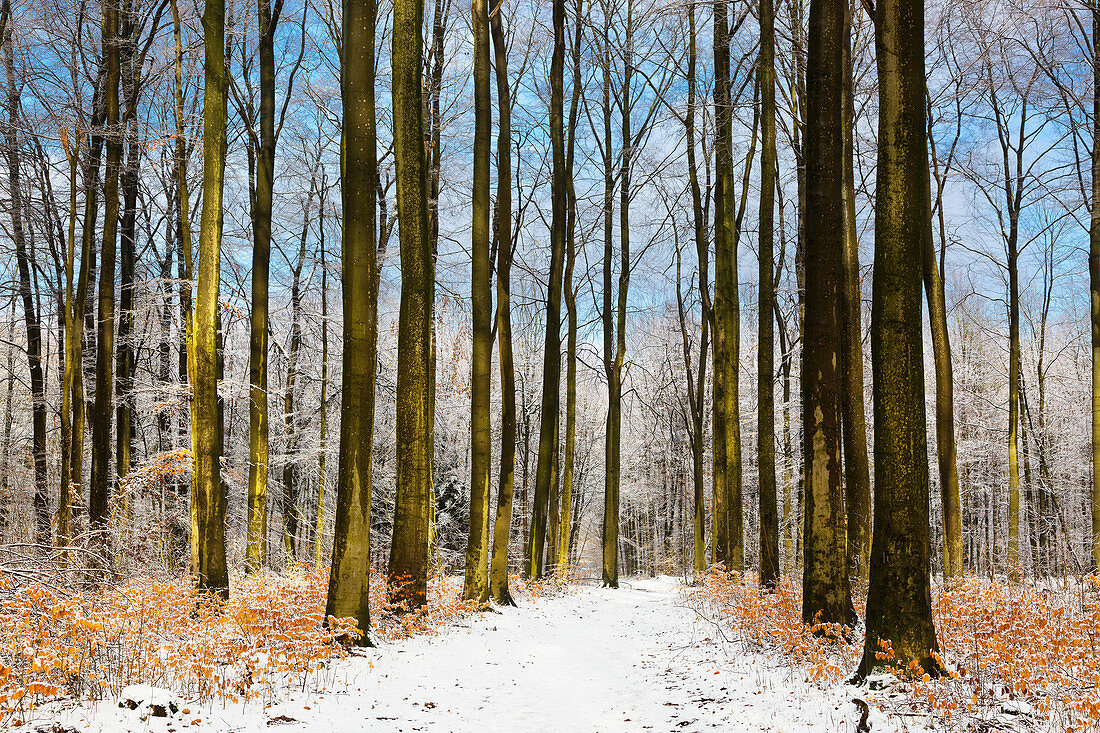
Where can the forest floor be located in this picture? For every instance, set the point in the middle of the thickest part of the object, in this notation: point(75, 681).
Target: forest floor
point(589, 660)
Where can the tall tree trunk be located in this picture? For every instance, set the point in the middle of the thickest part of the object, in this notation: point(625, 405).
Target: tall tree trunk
point(502, 526)
point(9, 420)
point(433, 140)
point(769, 518)
point(71, 374)
point(184, 263)
point(129, 178)
point(476, 586)
point(791, 519)
point(568, 458)
point(553, 516)
point(348, 589)
point(408, 565)
point(610, 553)
point(258, 445)
point(30, 310)
point(165, 434)
point(799, 49)
point(899, 599)
point(551, 361)
point(291, 481)
point(99, 497)
point(322, 480)
point(826, 593)
point(208, 496)
point(615, 380)
point(697, 388)
point(945, 389)
point(90, 178)
point(857, 472)
point(728, 539)
point(1013, 559)
point(1094, 289)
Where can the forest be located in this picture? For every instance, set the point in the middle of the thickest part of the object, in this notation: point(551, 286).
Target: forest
point(769, 329)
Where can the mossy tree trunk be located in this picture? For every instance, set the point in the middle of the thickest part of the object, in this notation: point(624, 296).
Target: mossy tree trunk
point(322, 469)
point(569, 449)
point(349, 578)
point(102, 407)
point(70, 481)
point(184, 262)
point(727, 512)
point(292, 514)
point(25, 292)
point(267, 16)
point(208, 495)
point(696, 386)
point(857, 472)
point(826, 592)
point(75, 445)
point(408, 563)
point(899, 599)
point(476, 585)
point(765, 357)
point(502, 525)
point(1094, 288)
point(946, 451)
point(551, 360)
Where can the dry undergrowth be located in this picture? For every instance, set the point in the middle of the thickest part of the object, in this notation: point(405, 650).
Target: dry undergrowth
point(271, 634)
point(1022, 657)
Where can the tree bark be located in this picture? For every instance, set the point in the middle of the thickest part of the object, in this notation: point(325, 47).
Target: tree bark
point(769, 518)
point(100, 490)
point(826, 592)
point(70, 479)
point(349, 579)
point(26, 294)
point(258, 416)
point(408, 565)
point(857, 472)
point(208, 495)
point(476, 586)
point(551, 363)
point(946, 451)
point(728, 535)
point(569, 457)
point(322, 481)
point(899, 599)
point(132, 64)
point(1094, 290)
point(502, 526)
point(291, 482)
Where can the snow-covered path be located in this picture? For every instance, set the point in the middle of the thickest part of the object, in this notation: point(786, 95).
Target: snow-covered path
point(597, 660)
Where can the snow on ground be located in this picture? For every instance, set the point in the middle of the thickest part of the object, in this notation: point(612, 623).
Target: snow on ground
point(594, 660)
